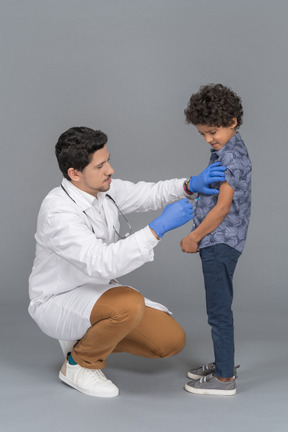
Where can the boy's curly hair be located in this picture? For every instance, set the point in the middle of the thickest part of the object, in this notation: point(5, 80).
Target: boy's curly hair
point(214, 105)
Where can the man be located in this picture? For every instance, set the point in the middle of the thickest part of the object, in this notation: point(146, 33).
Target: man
point(80, 252)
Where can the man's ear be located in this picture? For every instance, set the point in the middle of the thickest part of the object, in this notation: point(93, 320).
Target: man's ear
point(73, 174)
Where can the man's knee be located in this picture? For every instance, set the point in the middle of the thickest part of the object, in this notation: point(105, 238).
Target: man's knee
point(121, 304)
point(175, 344)
point(133, 305)
point(172, 342)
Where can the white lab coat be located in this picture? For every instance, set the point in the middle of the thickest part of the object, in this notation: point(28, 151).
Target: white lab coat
point(71, 258)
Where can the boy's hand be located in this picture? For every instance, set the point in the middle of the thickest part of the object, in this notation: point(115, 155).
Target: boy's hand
point(188, 244)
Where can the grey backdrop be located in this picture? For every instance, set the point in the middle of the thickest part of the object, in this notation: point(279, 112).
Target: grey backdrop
point(129, 67)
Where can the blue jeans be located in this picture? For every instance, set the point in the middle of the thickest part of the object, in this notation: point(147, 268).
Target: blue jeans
point(218, 264)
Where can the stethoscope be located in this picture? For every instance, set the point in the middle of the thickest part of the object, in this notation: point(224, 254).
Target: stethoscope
point(119, 210)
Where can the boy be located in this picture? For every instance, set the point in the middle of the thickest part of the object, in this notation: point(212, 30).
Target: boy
point(220, 228)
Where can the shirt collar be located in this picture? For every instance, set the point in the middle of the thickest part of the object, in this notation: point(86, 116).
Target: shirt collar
point(234, 142)
point(83, 199)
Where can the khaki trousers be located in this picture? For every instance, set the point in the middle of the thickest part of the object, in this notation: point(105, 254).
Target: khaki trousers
point(120, 322)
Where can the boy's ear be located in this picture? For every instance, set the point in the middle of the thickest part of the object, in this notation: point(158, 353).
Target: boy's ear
point(234, 122)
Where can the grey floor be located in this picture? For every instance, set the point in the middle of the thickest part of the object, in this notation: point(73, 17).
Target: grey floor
point(128, 68)
point(152, 396)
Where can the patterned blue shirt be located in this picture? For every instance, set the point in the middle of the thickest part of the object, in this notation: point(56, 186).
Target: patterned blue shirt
point(233, 229)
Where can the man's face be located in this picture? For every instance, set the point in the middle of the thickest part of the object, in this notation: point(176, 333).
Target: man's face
point(216, 136)
point(96, 176)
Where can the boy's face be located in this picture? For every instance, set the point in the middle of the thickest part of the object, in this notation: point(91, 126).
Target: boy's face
point(216, 136)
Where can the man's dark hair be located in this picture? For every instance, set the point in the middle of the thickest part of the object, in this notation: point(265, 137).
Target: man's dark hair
point(76, 146)
point(214, 105)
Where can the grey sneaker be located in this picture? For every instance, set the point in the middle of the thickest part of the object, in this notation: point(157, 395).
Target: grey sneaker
point(205, 370)
point(211, 385)
point(201, 371)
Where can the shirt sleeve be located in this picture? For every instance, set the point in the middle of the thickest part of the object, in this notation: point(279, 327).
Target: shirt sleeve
point(235, 168)
point(145, 196)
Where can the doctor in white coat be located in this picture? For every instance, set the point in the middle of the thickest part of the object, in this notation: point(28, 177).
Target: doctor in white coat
point(80, 253)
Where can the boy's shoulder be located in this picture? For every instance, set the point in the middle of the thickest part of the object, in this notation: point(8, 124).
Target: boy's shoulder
point(234, 152)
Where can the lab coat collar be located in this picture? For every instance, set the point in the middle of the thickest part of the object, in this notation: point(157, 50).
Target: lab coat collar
point(82, 199)
point(85, 201)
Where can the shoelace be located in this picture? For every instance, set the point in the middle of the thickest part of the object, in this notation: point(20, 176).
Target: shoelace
point(212, 366)
point(206, 378)
point(208, 366)
point(97, 375)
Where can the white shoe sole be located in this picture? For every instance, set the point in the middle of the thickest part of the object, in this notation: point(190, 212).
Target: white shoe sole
point(194, 377)
point(110, 393)
point(210, 391)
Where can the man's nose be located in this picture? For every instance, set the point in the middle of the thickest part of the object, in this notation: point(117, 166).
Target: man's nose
point(110, 170)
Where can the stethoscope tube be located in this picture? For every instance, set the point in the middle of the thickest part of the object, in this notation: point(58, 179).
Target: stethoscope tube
point(124, 217)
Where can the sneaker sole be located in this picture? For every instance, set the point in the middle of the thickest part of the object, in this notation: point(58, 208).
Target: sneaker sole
point(85, 391)
point(210, 391)
point(193, 376)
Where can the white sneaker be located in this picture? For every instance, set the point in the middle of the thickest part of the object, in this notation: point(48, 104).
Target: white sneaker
point(89, 381)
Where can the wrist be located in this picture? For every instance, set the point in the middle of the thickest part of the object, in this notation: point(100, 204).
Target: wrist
point(154, 233)
point(193, 236)
point(186, 184)
point(157, 228)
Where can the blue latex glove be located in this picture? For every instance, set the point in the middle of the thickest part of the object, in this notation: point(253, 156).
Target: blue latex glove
point(173, 216)
point(211, 174)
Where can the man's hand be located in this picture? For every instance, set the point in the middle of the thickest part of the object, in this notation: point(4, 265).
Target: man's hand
point(188, 244)
point(173, 216)
point(211, 174)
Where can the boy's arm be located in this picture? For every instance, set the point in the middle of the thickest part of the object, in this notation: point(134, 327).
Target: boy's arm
point(189, 244)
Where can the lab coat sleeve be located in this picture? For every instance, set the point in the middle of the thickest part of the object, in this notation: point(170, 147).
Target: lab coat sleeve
point(144, 197)
point(67, 235)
